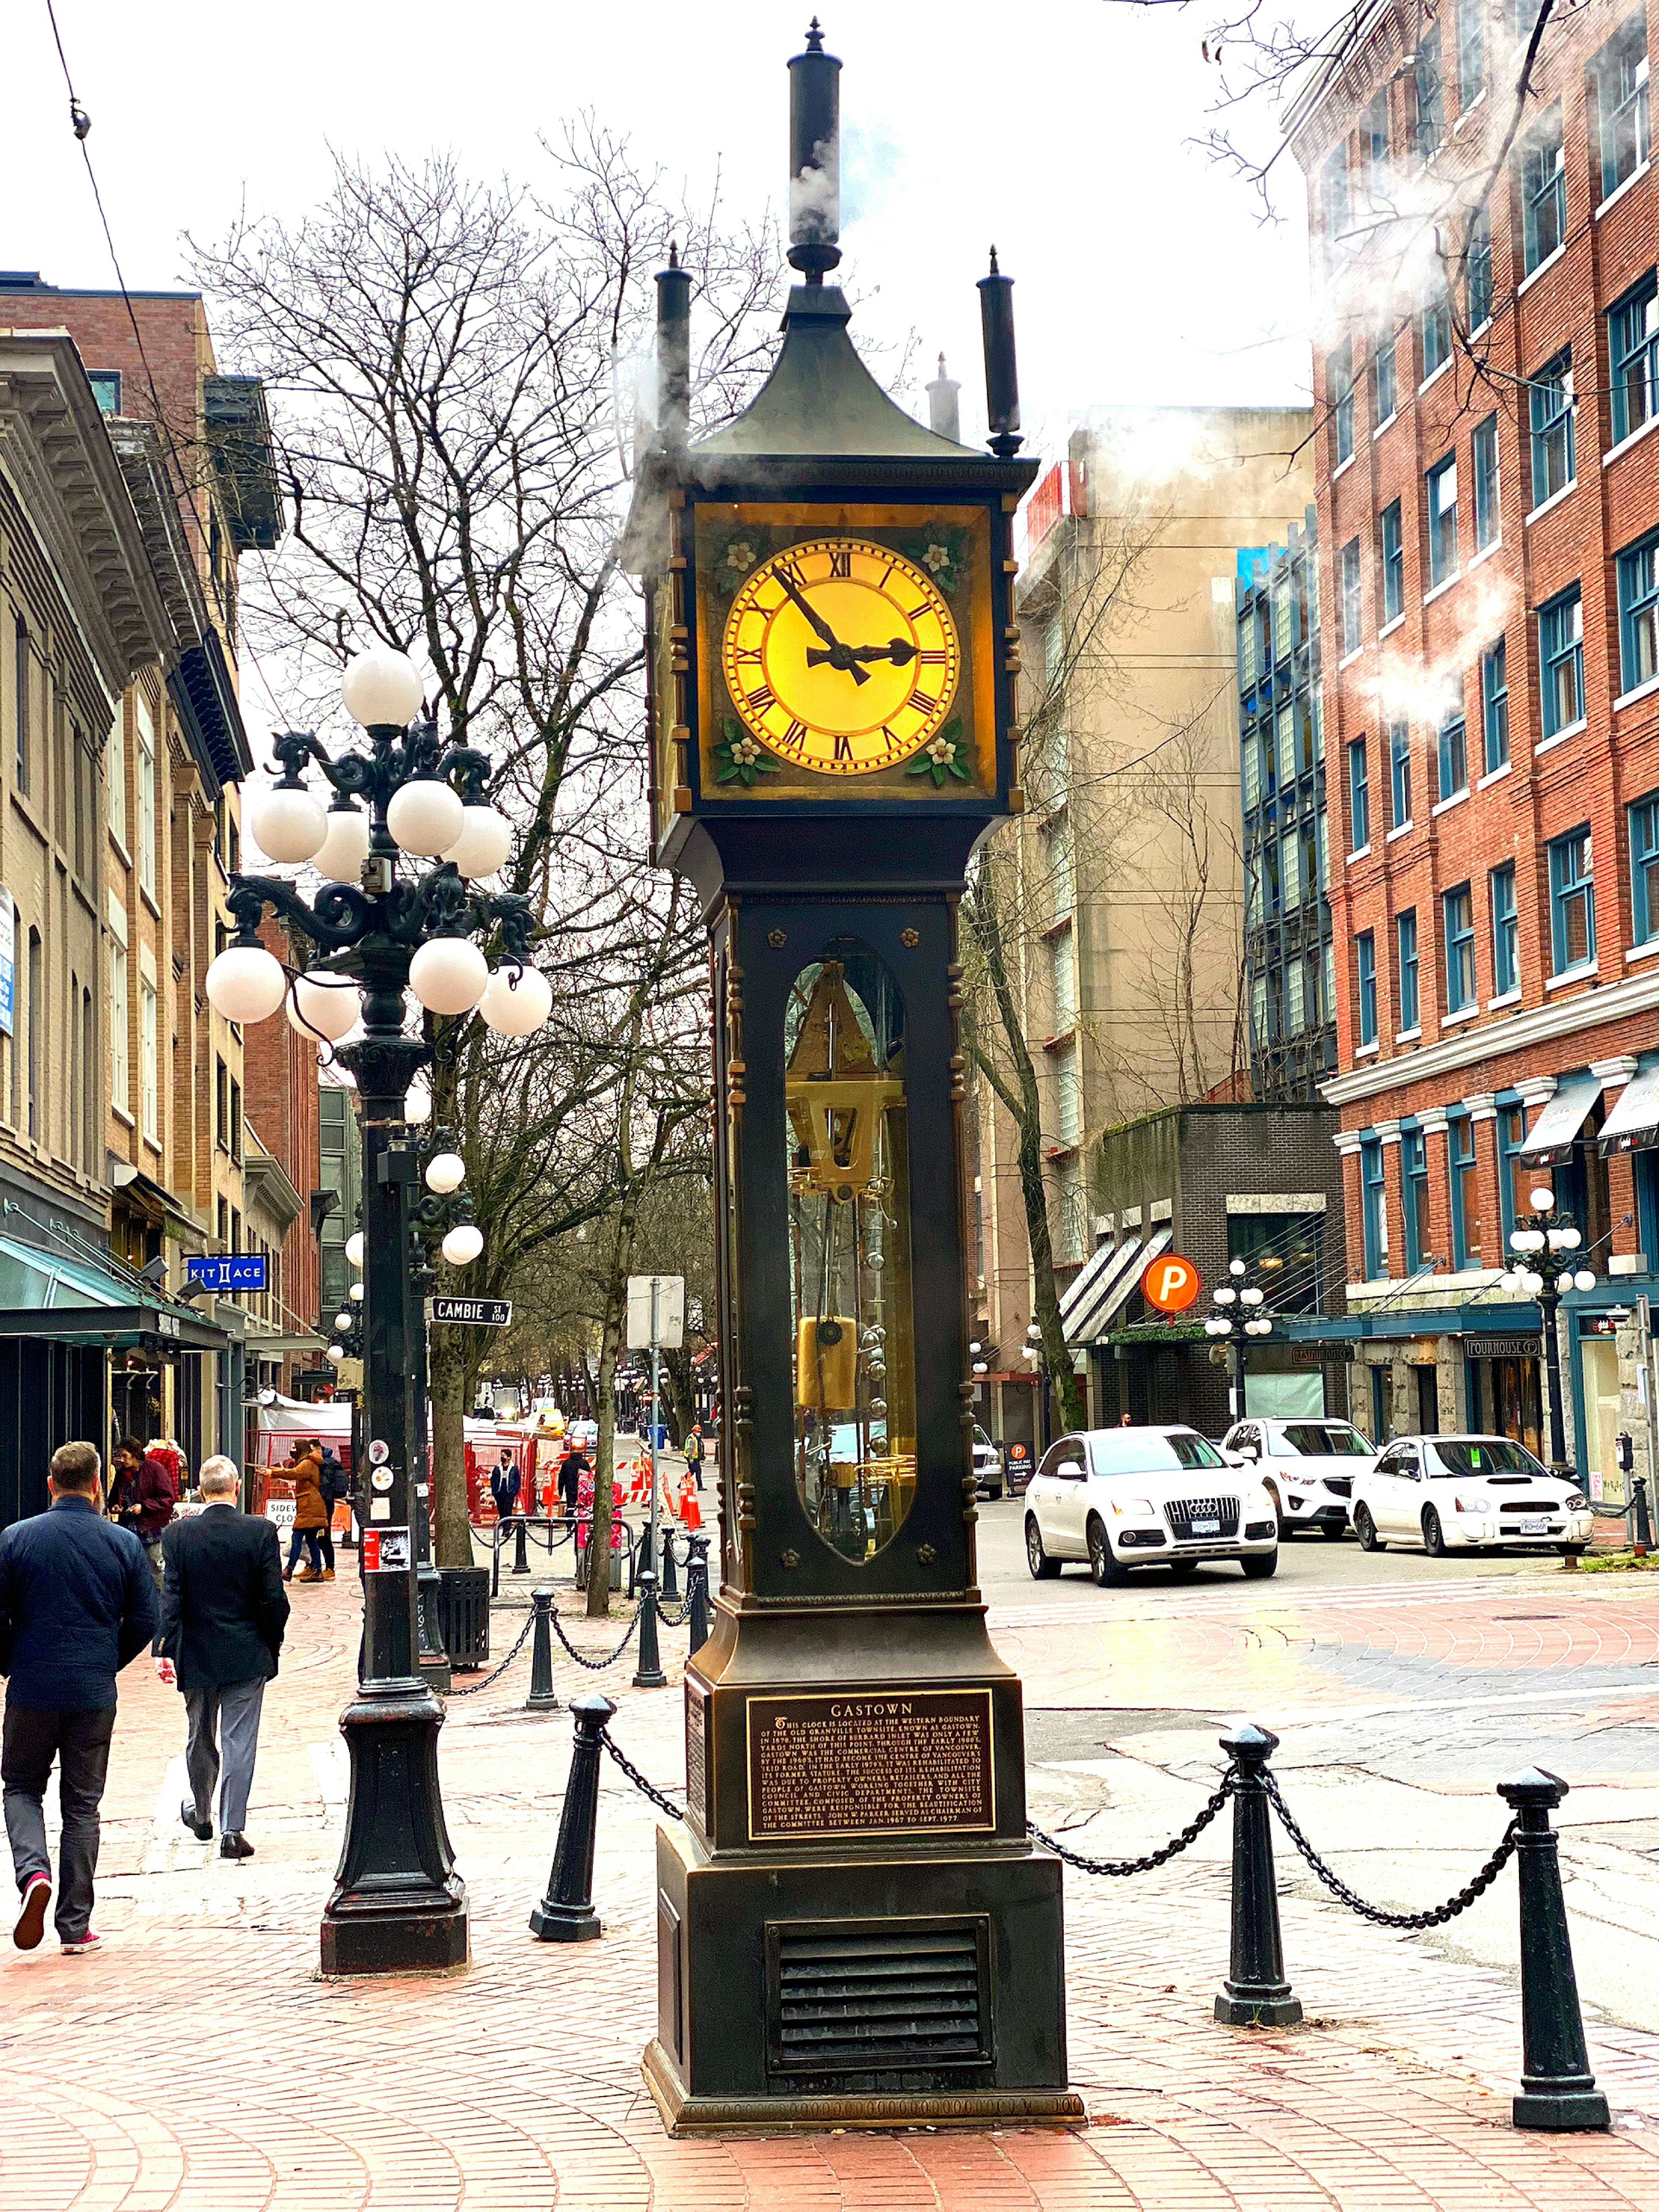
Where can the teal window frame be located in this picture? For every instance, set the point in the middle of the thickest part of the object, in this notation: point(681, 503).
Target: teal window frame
point(1644, 817)
point(1495, 707)
point(1409, 970)
point(1364, 947)
point(1505, 931)
point(1633, 357)
point(1543, 191)
point(1638, 613)
point(1551, 421)
point(1572, 901)
point(1457, 908)
point(1359, 797)
point(1561, 662)
point(1393, 545)
point(1483, 472)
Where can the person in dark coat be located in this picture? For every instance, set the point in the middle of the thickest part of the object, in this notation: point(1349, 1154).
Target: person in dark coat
point(142, 1496)
point(77, 1603)
point(504, 1485)
point(572, 1468)
point(223, 1611)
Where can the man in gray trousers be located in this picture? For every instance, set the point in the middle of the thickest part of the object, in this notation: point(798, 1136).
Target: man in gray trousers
point(223, 1611)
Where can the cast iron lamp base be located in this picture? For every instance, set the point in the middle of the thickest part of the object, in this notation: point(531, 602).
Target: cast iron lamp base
point(398, 1905)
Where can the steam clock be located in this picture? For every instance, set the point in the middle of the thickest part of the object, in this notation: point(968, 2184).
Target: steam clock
point(853, 1927)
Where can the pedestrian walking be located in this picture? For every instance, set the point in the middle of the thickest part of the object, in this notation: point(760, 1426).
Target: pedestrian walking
point(334, 1484)
point(77, 1604)
point(572, 1469)
point(694, 1449)
point(223, 1611)
point(310, 1514)
point(504, 1485)
point(143, 1491)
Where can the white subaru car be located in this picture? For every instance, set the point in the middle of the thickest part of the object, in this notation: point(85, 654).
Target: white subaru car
point(1466, 1493)
point(1307, 1467)
point(1118, 1498)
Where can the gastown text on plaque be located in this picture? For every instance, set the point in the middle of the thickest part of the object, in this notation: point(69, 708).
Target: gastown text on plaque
point(871, 1764)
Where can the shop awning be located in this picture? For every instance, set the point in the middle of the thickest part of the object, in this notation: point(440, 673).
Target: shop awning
point(1087, 1288)
point(1552, 1135)
point(75, 1301)
point(1108, 1290)
point(1633, 1124)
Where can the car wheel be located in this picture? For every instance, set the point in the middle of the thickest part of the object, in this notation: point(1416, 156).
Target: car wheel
point(1434, 1536)
point(1259, 1565)
point(1106, 1570)
point(1043, 1569)
point(994, 1495)
point(1366, 1528)
point(1279, 1510)
point(1332, 1529)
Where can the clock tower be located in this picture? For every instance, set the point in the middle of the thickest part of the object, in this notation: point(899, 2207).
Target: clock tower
point(854, 1929)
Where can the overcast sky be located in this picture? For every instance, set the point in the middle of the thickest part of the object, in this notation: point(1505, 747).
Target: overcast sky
point(1059, 130)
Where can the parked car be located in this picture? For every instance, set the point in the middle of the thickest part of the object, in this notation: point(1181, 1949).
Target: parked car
point(1466, 1493)
point(987, 1465)
point(1307, 1467)
point(1145, 1498)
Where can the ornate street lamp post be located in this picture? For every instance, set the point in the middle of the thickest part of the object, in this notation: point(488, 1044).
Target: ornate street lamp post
point(398, 1903)
point(1549, 1232)
point(1243, 1313)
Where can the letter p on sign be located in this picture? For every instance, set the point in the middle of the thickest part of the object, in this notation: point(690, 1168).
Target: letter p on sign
point(1169, 1283)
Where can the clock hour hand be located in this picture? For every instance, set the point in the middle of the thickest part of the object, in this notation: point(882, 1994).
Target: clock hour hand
point(898, 651)
point(837, 656)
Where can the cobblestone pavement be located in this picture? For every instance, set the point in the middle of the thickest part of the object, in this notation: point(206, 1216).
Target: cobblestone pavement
point(198, 2064)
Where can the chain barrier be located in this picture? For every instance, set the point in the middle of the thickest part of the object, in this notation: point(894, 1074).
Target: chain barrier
point(471, 1689)
point(594, 1665)
point(675, 1618)
point(648, 1788)
point(1190, 1833)
point(1436, 1917)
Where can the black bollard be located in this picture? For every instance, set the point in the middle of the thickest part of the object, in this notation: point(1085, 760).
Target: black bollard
point(649, 1674)
point(1643, 1530)
point(671, 1588)
point(696, 1590)
point(541, 1698)
point(1558, 2090)
point(1256, 1993)
point(566, 1914)
point(521, 1564)
point(496, 1561)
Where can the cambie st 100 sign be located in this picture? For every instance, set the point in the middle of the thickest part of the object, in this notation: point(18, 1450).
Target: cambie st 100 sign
point(473, 1313)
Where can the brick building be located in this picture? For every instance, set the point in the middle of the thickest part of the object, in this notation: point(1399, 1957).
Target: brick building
point(282, 1181)
point(1488, 515)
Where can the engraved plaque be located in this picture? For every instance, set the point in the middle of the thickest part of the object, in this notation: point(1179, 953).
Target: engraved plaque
point(905, 1763)
point(697, 1756)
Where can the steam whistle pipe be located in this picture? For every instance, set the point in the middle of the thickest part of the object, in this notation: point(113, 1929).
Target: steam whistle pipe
point(673, 351)
point(996, 316)
point(814, 159)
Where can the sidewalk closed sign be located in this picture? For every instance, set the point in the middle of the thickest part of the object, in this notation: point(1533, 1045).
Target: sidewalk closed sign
point(473, 1313)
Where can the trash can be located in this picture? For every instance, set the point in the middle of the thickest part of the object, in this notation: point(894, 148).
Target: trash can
point(464, 1615)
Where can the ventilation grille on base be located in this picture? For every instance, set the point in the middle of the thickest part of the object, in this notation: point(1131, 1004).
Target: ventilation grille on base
point(878, 1997)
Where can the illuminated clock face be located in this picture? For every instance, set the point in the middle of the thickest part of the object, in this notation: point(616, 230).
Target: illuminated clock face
point(840, 655)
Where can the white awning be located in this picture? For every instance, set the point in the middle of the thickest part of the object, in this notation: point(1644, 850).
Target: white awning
point(1633, 1124)
point(1092, 1286)
point(1110, 1287)
point(1552, 1135)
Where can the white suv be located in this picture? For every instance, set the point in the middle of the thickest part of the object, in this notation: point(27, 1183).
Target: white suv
point(1466, 1494)
point(1307, 1467)
point(1145, 1498)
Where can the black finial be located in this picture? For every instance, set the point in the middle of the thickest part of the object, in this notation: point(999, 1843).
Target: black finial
point(814, 159)
point(673, 254)
point(993, 261)
point(996, 312)
point(814, 38)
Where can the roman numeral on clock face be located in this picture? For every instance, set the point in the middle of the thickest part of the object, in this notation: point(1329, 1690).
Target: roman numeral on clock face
point(761, 698)
point(843, 747)
point(840, 562)
point(922, 703)
point(790, 571)
point(750, 654)
point(794, 733)
point(929, 659)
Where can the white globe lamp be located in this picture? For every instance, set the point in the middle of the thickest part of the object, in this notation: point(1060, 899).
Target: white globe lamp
point(287, 824)
point(449, 975)
point(463, 1245)
point(344, 847)
point(335, 1353)
point(355, 1248)
point(343, 1322)
point(517, 1002)
point(246, 983)
point(417, 1104)
point(445, 1171)
point(356, 1293)
point(381, 689)
point(485, 841)
point(330, 1008)
point(1542, 1199)
point(425, 817)
point(1585, 1278)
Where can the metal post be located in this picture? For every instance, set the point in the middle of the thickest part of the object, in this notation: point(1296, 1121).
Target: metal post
point(566, 1914)
point(656, 1409)
point(541, 1698)
point(671, 1588)
point(1256, 1993)
point(521, 1564)
point(1558, 2090)
point(696, 1590)
point(1550, 1306)
point(1236, 1374)
point(649, 1676)
point(1643, 1527)
point(495, 1560)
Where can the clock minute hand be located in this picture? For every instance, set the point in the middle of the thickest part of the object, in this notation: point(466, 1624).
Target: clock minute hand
point(837, 655)
point(898, 651)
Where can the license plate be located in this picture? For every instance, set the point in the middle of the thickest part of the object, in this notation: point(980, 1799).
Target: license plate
point(1534, 1527)
point(1206, 1528)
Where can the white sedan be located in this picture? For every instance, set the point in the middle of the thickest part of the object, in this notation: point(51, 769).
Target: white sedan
point(1307, 1467)
point(1119, 1498)
point(1465, 1493)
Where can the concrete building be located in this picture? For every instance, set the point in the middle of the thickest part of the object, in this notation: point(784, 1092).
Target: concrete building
point(1488, 495)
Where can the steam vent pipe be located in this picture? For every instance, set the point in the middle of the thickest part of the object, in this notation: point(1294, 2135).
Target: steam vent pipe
point(996, 315)
point(673, 351)
point(814, 159)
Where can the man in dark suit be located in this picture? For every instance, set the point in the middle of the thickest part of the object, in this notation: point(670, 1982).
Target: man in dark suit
point(77, 1602)
point(223, 1611)
point(504, 1485)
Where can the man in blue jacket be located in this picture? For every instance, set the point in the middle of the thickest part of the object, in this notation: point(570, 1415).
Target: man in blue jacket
point(77, 1603)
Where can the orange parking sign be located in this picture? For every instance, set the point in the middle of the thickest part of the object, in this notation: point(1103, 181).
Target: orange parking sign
point(1169, 1283)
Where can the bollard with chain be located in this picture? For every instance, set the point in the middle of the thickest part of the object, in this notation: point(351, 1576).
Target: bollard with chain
point(696, 1590)
point(649, 1674)
point(1256, 1993)
point(520, 1563)
point(1558, 2090)
point(541, 1698)
point(671, 1589)
point(566, 1914)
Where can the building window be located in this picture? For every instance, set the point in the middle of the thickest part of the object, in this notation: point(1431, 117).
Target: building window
point(1621, 86)
point(1373, 1209)
point(1350, 597)
point(1393, 563)
point(1414, 1198)
point(1359, 802)
point(1633, 358)
point(1572, 904)
point(149, 1066)
point(1495, 705)
point(1483, 453)
point(105, 389)
point(1645, 870)
point(1428, 92)
point(1505, 931)
point(1365, 959)
point(1062, 956)
point(1251, 766)
point(1550, 400)
point(1477, 267)
point(146, 765)
point(1405, 939)
point(1458, 907)
point(1471, 51)
point(236, 1120)
point(1334, 190)
point(1443, 519)
point(1544, 191)
point(1515, 1177)
point(115, 778)
point(23, 676)
point(221, 1105)
point(120, 1077)
point(1290, 870)
point(1465, 1191)
point(1561, 662)
point(1436, 322)
point(1374, 138)
point(1453, 755)
point(1339, 386)
point(1385, 389)
point(91, 1105)
point(36, 1017)
point(1399, 774)
point(1638, 613)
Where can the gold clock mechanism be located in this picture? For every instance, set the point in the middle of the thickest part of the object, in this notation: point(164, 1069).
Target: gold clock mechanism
point(835, 1095)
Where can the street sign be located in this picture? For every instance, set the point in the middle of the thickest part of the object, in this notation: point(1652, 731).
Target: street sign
point(1169, 1283)
point(473, 1313)
point(227, 1270)
point(656, 1312)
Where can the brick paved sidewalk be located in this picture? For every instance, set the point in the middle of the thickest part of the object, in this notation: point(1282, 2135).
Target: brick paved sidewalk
point(199, 2065)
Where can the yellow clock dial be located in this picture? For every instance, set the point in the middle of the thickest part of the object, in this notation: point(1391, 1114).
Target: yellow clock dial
point(840, 655)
